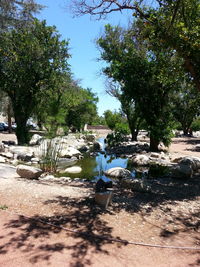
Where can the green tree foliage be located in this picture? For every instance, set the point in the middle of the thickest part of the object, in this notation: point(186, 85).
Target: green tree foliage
point(147, 78)
point(112, 118)
point(173, 24)
point(186, 106)
point(82, 110)
point(129, 108)
point(32, 60)
point(17, 13)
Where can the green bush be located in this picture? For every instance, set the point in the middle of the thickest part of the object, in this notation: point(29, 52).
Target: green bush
point(123, 128)
point(114, 139)
point(196, 125)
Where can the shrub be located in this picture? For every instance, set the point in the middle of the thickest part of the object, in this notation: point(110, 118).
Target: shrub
point(196, 125)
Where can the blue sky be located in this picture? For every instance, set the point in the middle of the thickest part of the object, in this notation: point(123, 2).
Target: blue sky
point(82, 32)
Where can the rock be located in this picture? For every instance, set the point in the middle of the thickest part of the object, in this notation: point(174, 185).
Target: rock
point(97, 146)
point(140, 160)
point(48, 177)
point(194, 162)
point(2, 147)
point(83, 148)
point(118, 172)
point(35, 160)
point(14, 162)
point(66, 162)
point(35, 139)
point(2, 159)
point(177, 160)
point(138, 185)
point(181, 171)
point(23, 152)
point(66, 179)
point(197, 147)
point(90, 137)
point(74, 169)
point(8, 155)
point(155, 155)
point(28, 172)
point(25, 156)
point(69, 152)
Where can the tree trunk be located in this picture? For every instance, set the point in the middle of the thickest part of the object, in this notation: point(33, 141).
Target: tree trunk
point(153, 144)
point(21, 131)
point(9, 117)
point(185, 131)
point(134, 134)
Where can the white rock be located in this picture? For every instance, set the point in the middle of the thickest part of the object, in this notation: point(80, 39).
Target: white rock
point(35, 139)
point(118, 172)
point(69, 152)
point(8, 155)
point(28, 171)
point(35, 159)
point(2, 159)
point(74, 169)
point(140, 160)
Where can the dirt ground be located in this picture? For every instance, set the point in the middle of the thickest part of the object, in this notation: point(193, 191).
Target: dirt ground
point(168, 217)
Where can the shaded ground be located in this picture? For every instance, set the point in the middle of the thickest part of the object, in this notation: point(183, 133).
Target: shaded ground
point(169, 216)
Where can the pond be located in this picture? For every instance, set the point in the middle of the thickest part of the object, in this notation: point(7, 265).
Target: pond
point(93, 167)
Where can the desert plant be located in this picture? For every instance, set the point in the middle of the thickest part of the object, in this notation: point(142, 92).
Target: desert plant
point(49, 152)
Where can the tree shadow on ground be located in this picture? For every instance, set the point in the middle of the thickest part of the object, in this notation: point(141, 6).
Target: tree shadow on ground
point(80, 215)
point(94, 233)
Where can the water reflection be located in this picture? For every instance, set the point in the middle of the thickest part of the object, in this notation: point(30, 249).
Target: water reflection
point(93, 167)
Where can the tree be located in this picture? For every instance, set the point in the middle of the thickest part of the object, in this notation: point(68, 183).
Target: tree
point(32, 60)
point(6, 109)
point(129, 108)
point(82, 110)
point(112, 118)
point(147, 78)
point(172, 24)
point(186, 106)
point(17, 13)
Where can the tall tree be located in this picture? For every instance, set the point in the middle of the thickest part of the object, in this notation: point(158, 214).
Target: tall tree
point(129, 108)
point(146, 77)
point(32, 59)
point(172, 24)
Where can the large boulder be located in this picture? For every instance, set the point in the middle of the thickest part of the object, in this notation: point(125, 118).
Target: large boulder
point(140, 160)
point(118, 172)
point(138, 185)
point(74, 169)
point(28, 172)
point(181, 171)
point(35, 139)
point(23, 152)
point(194, 162)
point(69, 152)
